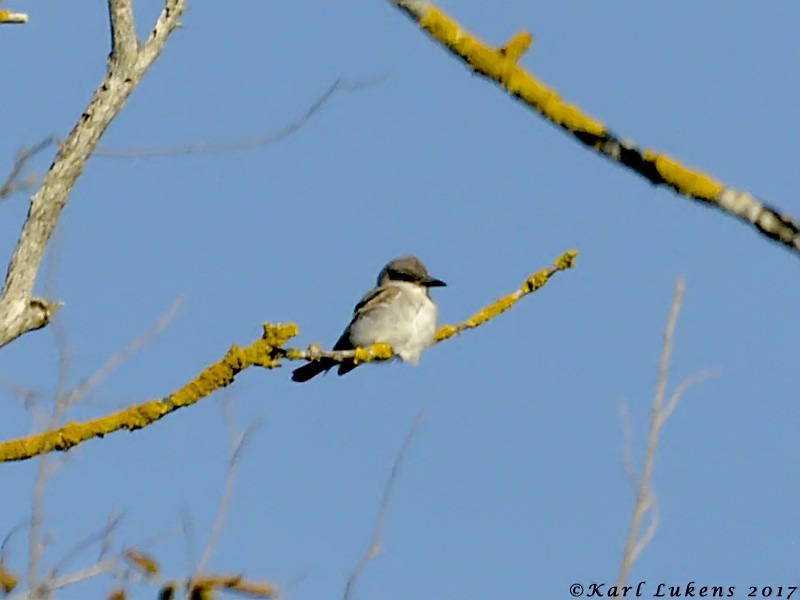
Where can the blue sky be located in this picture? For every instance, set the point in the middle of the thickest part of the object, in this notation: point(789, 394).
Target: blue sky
point(513, 487)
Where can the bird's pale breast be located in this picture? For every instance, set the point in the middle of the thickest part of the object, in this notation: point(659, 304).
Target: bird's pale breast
point(407, 323)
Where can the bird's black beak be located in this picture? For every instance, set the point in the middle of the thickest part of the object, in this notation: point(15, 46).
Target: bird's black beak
point(431, 282)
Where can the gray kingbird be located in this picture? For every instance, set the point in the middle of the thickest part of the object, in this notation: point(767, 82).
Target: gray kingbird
point(399, 311)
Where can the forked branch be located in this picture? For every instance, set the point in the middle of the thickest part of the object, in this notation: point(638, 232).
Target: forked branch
point(646, 504)
point(20, 310)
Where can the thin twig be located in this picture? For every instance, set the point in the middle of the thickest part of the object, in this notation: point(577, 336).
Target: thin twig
point(45, 468)
point(644, 492)
point(12, 184)
point(64, 400)
point(646, 500)
point(380, 523)
point(111, 523)
point(10, 536)
point(98, 568)
point(187, 526)
point(627, 445)
point(101, 536)
point(340, 85)
point(683, 388)
point(238, 442)
point(112, 363)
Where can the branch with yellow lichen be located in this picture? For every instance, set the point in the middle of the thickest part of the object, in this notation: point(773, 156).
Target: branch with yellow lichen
point(233, 584)
point(8, 581)
point(12, 18)
point(268, 351)
point(500, 65)
point(200, 587)
point(148, 570)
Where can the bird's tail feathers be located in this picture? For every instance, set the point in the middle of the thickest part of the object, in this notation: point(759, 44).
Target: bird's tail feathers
point(346, 367)
point(312, 369)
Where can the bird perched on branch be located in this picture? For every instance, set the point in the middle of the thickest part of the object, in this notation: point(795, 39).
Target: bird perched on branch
point(399, 311)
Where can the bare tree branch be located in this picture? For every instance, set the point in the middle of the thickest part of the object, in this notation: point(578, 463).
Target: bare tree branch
point(627, 445)
point(187, 526)
point(36, 542)
point(98, 568)
point(238, 441)
point(124, 43)
point(644, 492)
point(646, 502)
point(20, 310)
point(167, 22)
point(112, 363)
point(64, 400)
point(101, 537)
point(111, 523)
point(380, 523)
point(682, 389)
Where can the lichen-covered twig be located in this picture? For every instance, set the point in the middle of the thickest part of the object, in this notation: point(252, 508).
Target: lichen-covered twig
point(267, 351)
point(12, 18)
point(235, 584)
point(500, 65)
point(20, 310)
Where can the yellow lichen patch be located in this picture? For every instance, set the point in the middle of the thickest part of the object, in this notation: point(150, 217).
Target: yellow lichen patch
point(143, 562)
point(8, 581)
point(500, 66)
point(201, 590)
point(566, 260)
point(517, 46)
point(212, 378)
point(295, 354)
point(278, 334)
point(533, 283)
point(381, 351)
point(490, 312)
point(686, 181)
point(445, 332)
point(262, 354)
point(238, 583)
point(362, 355)
point(265, 351)
point(377, 351)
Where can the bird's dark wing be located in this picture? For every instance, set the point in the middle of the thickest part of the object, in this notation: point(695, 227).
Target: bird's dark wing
point(375, 298)
point(372, 300)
